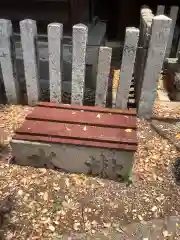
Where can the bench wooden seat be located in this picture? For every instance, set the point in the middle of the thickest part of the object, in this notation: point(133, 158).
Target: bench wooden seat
point(80, 139)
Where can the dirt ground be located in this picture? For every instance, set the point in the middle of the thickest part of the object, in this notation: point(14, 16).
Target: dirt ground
point(47, 203)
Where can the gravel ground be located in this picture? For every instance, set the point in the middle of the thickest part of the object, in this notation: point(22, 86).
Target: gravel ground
point(48, 203)
point(169, 130)
point(168, 110)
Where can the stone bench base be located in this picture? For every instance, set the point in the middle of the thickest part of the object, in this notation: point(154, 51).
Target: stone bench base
point(78, 139)
point(101, 162)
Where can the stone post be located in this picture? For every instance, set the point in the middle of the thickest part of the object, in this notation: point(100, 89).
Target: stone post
point(156, 53)
point(80, 33)
point(28, 40)
point(160, 10)
point(127, 66)
point(104, 64)
point(173, 16)
point(143, 44)
point(55, 36)
point(7, 61)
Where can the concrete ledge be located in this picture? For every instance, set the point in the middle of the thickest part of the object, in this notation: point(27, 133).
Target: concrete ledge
point(107, 163)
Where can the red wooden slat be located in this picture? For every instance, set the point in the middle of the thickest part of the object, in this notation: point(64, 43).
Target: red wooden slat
point(75, 131)
point(130, 111)
point(77, 142)
point(89, 118)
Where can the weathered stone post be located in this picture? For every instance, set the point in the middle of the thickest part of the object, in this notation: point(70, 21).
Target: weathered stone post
point(7, 61)
point(160, 10)
point(55, 36)
point(156, 53)
point(28, 40)
point(173, 15)
point(104, 64)
point(143, 44)
point(80, 33)
point(127, 66)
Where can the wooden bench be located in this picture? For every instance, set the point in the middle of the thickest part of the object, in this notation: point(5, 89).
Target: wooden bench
point(80, 139)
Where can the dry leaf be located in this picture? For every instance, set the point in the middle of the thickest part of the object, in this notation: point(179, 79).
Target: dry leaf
point(67, 182)
point(68, 129)
point(76, 226)
point(88, 225)
point(62, 212)
point(56, 222)
point(154, 176)
point(166, 234)
point(48, 220)
point(161, 198)
point(9, 236)
point(128, 130)
point(94, 223)
point(107, 225)
point(153, 209)
point(20, 192)
point(42, 170)
point(45, 197)
point(68, 204)
point(44, 211)
point(52, 228)
point(160, 179)
point(140, 217)
point(178, 135)
point(35, 237)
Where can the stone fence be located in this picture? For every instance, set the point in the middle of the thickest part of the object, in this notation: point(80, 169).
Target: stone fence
point(29, 49)
point(143, 55)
